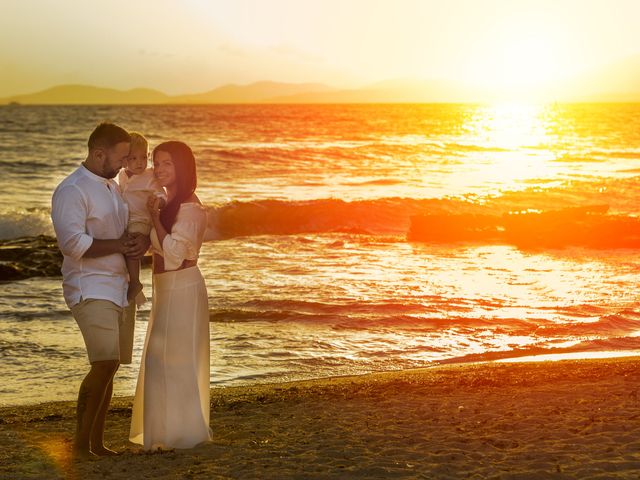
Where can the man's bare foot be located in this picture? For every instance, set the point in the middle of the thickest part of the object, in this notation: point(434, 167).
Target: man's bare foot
point(83, 454)
point(134, 289)
point(105, 452)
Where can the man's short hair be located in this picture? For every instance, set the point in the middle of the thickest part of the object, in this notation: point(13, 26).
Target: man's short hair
point(107, 135)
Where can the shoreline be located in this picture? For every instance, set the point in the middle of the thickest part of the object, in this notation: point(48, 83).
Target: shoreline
point(472, 359)
point(540, 419)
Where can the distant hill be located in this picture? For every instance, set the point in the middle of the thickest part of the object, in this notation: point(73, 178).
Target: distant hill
point(253, 93)
point(86, 94)
point(390, 91)
point(618, 82)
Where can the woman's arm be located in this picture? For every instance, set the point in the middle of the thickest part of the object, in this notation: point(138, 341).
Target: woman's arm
point(184, 240)
point(153, 205)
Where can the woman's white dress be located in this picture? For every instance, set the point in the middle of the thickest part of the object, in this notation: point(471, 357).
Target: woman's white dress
point(171, 406)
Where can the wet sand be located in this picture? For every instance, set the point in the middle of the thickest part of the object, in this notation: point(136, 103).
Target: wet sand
point(572, 419)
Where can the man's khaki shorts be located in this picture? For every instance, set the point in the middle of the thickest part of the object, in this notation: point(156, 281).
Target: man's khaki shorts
point(107, 329)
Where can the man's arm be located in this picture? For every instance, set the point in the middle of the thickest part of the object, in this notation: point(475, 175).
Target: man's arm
point(132, 245)
point(68, 213)
point(100, 248)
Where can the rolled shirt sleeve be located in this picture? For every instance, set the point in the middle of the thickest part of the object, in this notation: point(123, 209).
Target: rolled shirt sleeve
point(69, 214)
point(185, 239)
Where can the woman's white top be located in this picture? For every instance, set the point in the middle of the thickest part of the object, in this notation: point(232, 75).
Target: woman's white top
point(186, 236)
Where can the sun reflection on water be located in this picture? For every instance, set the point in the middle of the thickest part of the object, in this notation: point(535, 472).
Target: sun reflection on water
point(554, 357)
point(517, 145)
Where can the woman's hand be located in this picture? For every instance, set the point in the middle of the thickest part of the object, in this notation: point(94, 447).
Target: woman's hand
point(154, 204)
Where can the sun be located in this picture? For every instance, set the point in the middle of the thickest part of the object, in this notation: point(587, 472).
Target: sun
point(524, 63)
point(518, 58)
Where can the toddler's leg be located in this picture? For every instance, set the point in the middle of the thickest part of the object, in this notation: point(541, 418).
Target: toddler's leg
point(135, 286)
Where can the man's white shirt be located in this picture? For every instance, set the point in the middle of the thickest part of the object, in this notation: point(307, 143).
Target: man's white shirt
point(86, 206)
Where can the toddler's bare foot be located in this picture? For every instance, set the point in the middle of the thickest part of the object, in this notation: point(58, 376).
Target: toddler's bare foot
point(140, 299)
point(134, 289)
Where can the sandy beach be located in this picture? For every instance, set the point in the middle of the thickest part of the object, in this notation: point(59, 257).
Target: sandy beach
point(566, 419)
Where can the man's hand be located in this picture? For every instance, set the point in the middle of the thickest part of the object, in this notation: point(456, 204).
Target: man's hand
point(135, 245)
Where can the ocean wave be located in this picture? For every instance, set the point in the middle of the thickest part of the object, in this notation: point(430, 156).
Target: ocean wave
point(394, 219)
point(392, 215)
point(621, 344)
point(378, 217)
point(20, 222)
point(620, 324)
point(235, 315)
point(469, 147)
point(380, 181)
point(588, 227)
point(353, 313)
point(16, 352)
point(347, 308)
point(279, 217)
point(425, 314)
point(442, 336)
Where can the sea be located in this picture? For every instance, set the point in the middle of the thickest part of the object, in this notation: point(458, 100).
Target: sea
point(307, 264)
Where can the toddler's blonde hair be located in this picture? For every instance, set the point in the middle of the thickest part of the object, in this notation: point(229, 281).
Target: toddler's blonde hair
point(138, 140)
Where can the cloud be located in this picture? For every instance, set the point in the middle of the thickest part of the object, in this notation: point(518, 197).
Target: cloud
point(296, 54)
point(233, 50)
point(143, 52)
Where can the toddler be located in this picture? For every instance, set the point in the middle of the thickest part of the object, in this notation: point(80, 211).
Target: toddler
point(136, 184)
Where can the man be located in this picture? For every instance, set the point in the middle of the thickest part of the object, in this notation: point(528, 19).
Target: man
point(90, 217)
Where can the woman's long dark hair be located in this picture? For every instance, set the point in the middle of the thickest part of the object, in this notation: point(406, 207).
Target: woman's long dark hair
point(186, 180)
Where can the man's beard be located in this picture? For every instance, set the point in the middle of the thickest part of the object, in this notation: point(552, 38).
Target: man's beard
point(108, 172)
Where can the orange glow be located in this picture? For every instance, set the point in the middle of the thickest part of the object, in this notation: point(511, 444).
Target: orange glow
point(512, 50)
point(520, 57)
point(554, 357)
point(56, 449)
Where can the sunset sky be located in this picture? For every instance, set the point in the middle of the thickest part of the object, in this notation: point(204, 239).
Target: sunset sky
point(196, 45)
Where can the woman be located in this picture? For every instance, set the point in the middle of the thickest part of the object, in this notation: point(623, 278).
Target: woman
point(171, 406)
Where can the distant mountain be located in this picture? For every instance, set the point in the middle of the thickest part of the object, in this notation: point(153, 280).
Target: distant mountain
point(390, 91)
point(616, 82)
point(619, 82)
point(86, 94)
point(253, 93)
